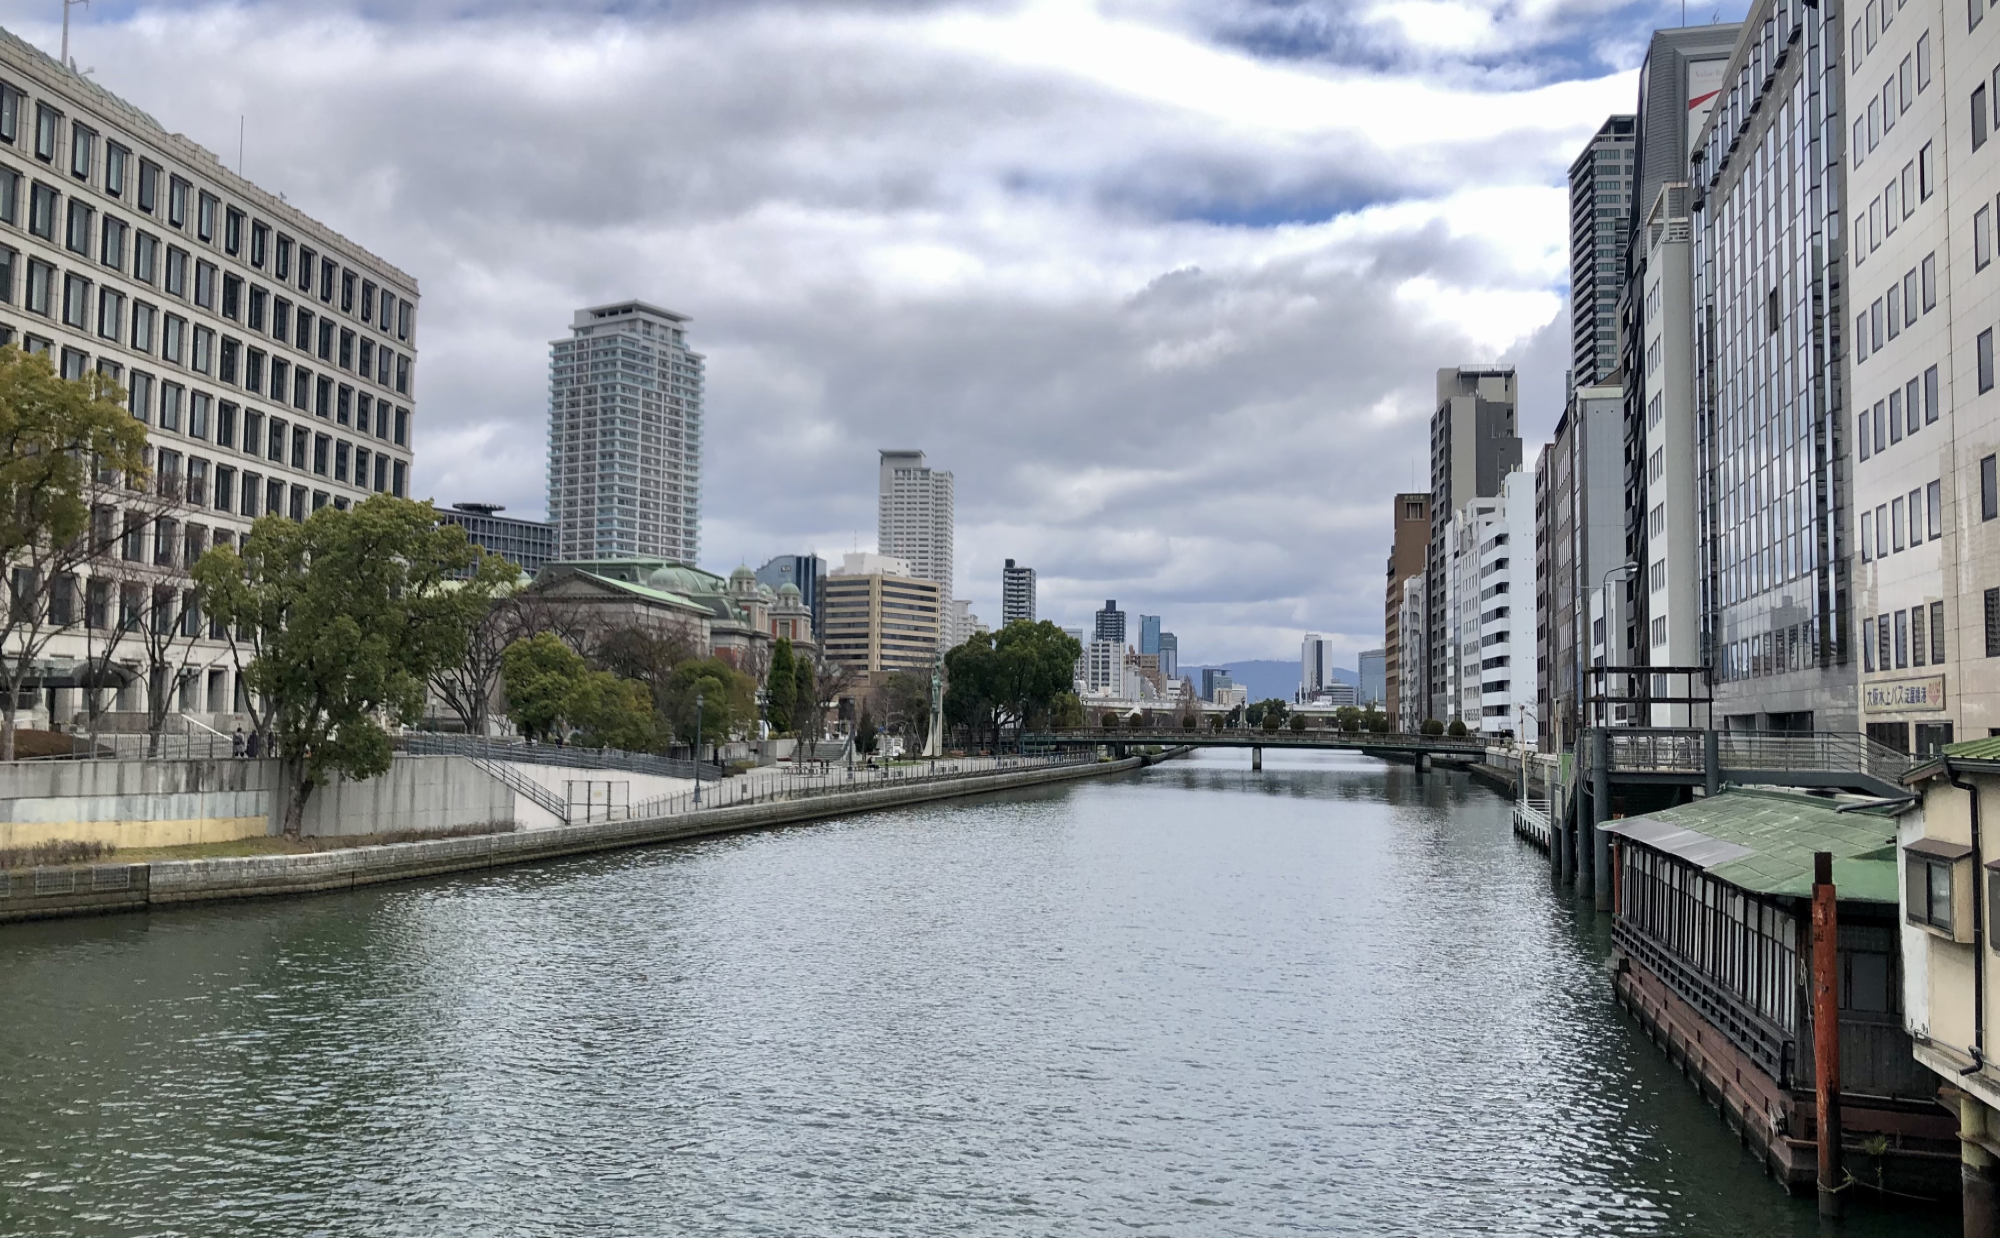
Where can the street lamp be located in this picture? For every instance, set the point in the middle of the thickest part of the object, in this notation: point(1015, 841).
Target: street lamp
point(1584, 625)
point(697, 747)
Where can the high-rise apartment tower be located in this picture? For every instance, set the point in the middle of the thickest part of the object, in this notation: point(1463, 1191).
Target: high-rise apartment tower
point(1600, 211)
point(1474, 445)
point(625, 399)
point(1017, 593)
point(1110, 623)
point(915, 516)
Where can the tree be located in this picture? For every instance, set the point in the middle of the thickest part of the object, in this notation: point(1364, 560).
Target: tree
point(1348, 717)
point(1376, 723)
point(1433, 727)
point(728, 701)
point(1110, 721)
point(541, 675)
point(1272, 720)
point(1457, 728)
point(1263, 709)
point(347, 615)
point(1298, 722)
point(1065, 711)
point(806, 711)
point(1188, 722)
point(780, 687)
point(64, 447)
point(1012, 676)
point(903, 703)
point(469, 686)
point(609, 712)
point(864, 732)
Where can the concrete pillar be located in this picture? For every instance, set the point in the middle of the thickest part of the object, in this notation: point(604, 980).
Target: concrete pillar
point(1589, 838)
point(1256, 758)
point(1826, 1033)
point(1975, 1167)
point(1423, 762)
point(1711, 762)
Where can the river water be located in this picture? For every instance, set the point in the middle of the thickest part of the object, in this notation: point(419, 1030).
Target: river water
point(1331, 998)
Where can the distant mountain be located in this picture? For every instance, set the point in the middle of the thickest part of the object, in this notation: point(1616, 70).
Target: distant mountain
point(1267, 678)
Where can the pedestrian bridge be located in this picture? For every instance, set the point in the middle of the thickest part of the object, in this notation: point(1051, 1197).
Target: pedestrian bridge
point(1395, 746)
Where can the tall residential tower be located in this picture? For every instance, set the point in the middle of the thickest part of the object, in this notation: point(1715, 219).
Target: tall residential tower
point(915, 516)
point(1017, 593)
point(625, 436)
point(1600, 212)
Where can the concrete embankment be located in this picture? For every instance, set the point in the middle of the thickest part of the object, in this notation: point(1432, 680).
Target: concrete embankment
point(47, 893)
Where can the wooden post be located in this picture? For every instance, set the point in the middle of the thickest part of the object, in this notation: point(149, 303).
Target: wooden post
point(1826, 1031)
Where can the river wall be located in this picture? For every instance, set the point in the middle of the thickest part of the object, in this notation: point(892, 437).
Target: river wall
point(46, 893)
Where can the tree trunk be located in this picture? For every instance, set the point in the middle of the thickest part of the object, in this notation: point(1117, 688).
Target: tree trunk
point(295, 798)
point(7, 728)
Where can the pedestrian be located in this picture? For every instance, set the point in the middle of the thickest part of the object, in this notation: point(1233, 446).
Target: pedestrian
point(236, 743)
point(253, 745)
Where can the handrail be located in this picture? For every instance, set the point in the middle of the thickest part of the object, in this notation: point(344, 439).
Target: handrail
point(436, 743)
point(524, 785)
point(839, 780)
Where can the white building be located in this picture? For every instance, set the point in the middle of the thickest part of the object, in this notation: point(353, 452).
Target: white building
point(1925, 418)
point(625, 397)
point(1017, 593)
point(1672, 580)
point(1493, 602)
point(915, 516)
point(1411, 697)
point(1315, 665)
point(271, 359)
point(1104, 668)
point(960, 624)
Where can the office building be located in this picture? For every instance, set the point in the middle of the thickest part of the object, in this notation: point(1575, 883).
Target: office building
point(1600, 212)
point(1315, 665)
point(1110, 623)
point(625, 402)
point(1149, 634)
point(1494, 612)
point(1017, 594)
point(1409, 548)
point(1408, 716)
point(880, 616)
point(1104, 667)
point(1579, 508)
point(1082, 672)
point(1474, 445)
point(1214, 680)
point(802, 572)
point(1170, 656)
point(915, 516)
point(271, 360)
point(1373, 689)
point(1679, 83)
point(960, 624)
point(1925, 420)
point(1770, 225)
point(527, 544)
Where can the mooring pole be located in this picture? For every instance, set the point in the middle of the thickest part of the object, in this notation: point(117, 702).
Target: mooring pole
point(1826, 1031)
point(1593, 859)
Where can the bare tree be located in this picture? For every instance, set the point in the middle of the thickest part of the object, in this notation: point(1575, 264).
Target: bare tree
point(470, 687)
point(831, 681)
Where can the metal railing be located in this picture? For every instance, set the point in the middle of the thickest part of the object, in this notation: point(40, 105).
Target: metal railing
point(834, 780)
point(434, 743)
point(1676, 750)
point(1311, 737)
point(1531, 821)
point(521, 784)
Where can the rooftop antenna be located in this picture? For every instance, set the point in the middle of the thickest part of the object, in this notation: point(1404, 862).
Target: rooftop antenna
point(239, 143)
point(67, 4)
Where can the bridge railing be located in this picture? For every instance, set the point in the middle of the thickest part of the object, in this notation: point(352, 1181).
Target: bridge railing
point(1681, 750)
point(1310, 737)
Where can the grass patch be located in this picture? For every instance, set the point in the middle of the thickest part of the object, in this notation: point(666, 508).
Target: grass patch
point(61, 851)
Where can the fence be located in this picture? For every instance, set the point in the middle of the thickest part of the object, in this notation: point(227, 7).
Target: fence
point(838, 780)
point(433, 743)
point(1661, 750)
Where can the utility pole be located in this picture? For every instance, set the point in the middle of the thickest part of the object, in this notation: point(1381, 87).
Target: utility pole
point(65, 44)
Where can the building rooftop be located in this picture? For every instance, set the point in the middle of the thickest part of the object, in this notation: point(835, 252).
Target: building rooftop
point(1763, 842)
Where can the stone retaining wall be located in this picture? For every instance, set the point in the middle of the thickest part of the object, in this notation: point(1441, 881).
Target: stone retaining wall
point(46, 893)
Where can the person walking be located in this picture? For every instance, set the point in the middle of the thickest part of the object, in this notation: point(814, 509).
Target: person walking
point(236, 743)
point(253, 746)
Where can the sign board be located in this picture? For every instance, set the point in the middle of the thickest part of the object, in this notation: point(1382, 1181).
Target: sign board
point(1704, 86)
point(1903, 696)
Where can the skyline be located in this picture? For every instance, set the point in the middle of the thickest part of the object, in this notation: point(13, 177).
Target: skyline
point(1129, 311)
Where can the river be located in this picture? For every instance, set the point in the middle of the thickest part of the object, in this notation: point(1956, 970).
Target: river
point(1335, 997)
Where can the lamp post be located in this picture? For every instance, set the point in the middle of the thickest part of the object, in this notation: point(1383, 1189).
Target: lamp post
point(1584, 628)
point(697, 747)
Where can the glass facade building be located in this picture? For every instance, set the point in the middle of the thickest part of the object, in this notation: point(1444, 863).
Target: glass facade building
point(1770, 298)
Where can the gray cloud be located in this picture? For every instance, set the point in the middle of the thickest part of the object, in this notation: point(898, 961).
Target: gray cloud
point(1177, 347)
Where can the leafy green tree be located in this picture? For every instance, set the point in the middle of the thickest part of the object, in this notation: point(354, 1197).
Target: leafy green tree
point(904, 704)
point(609, 712)
point(1066, 711)
point(864, 732)
point(347, 614)
point(1298, 722)
point(1432, 727)
point(63, 447)
point(1457, 728)
point(1266, 708)
point(1376, 723)
point(728, 700)
point(1348, 717)
point(1009, 677)
point(1110, 721)
point(807, 716)
point(541, 676)
point(1272, 720)
point(780, 686)
point(1188, 722)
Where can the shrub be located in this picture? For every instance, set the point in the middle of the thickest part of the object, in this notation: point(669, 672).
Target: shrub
point(1433, 727)
point(1110, 722)
point(1457, 728)
point(1271, 721)
point(1298, 722)
point(1187, 722)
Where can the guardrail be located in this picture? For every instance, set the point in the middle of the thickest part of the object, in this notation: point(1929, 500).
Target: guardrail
point(838, 780)
point(1531, 821)
point(1677, 750)
point(442, 744)
point(521, 784)
point(1469, 745)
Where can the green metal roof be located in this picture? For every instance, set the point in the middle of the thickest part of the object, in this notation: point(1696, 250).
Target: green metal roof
point(1763, 842)
point(1987, 749)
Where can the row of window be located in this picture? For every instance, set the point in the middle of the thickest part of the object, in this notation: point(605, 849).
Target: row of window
point(1886, 317)
point(310, 334)
point(213, 222)
point(1896, 203)
point(1905, 522)
point(1902, 413)
point(1871, 25)
point(1898, 640)
point(1911, 78)
point(1798, 647)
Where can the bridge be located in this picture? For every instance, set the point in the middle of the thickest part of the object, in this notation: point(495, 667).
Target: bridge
point(1416, 749)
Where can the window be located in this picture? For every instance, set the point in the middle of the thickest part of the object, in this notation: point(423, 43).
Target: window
point(1974, 10)
point(1894, 299)
point(225, 424)
point(1918, 645)
point(1889, 105)
point(1875, 326)
point(283, 267)
point(1863, 438)
point(388, 309)
point(173, 337)
point(1979, 115)
point(275, 443)
point(1895, 529)
point(403, 311)
point(382, 359)
point(42, 211)
point(260, 244)
point(302, 390)
point(8, 259)
point(177, 271)
point(111, 314)
point(1928, 879)
point(82, 150)
point(171, 396)
point(225, 488)
point(232, 231)
point(111, 248)
point(77, 234)
point(1985, 350)
point(1868, 644)
point(228, 358)
point(177, 201)
point(302, 337)
point(145, 257)
point(367, 301)
point(323, 397)
point(281, 378)
point(1934, 509)
point(114, 169)
point(402, 375)
point(1928, 278)
point(301, 443)
point(1989, 489)
point(1937, 633)
point(1926, 173)
point(1867, 536)
point(140, 394)
point(321, 447)
point(142, 326)
point(367, 364)
point(1902, 639)
point(260, 301)
point(281, 319)
point(149, 186)
point(402, 434)
point(346, 349)
point(200, 405)
point(1930, 395)
point(1982, 238)
point(402, 471)
point(343, 404)
point(1924, 61)
point(329, 275)
point(1882, 642)
point(205, 214)
point(204, 284)
point(47, 119)
point(41, 288)
point(1895, 403)
point(340, 457)
point(305, 268)
point(1916, 511)
point(253, 369)
point(326, 329)
point(10, 196)
point(1911, 399)
point(232, 296)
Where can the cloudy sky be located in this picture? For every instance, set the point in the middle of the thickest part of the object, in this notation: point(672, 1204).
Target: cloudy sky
point(1164, 282)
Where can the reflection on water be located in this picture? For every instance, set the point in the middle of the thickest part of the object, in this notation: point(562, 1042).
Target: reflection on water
point(1334, 997)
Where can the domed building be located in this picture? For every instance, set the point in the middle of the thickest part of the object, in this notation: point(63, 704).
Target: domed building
point(736, 619)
